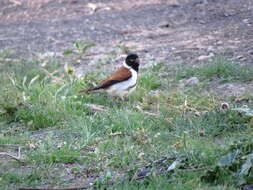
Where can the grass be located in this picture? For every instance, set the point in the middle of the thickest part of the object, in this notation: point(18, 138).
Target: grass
point(64, 142)
point(220, 68)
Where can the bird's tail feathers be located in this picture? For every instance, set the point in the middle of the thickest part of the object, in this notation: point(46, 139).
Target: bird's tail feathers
point(86, 90)
point(89, 90)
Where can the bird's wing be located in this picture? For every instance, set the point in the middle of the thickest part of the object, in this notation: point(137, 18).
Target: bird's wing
point(122, 74)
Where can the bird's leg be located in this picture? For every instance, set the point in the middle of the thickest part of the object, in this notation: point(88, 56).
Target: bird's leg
point(118, 99)
point(114, 99)
point(125, 98)
point(122, 98)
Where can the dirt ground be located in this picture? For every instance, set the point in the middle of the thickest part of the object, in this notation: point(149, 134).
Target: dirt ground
point(177, 31)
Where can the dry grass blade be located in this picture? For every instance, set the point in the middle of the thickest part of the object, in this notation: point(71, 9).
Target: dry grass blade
point(55, 79)
point(146, 112)
point(95, 107)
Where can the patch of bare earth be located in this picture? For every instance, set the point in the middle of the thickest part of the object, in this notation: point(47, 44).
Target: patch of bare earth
point(160, 30)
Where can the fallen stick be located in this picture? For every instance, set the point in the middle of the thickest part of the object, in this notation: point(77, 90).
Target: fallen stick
point(146, 112)
point(17, 158)
point(9, 155)
point(96, 107)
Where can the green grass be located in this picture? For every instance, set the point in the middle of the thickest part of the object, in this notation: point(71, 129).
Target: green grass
point(220, 68)
point(63, 141)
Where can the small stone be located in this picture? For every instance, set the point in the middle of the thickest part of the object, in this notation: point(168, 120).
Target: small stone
point(143, 173)
point(239, 57)
point(246, 21)
point(174, 3)
point(164, 24)
point(73, 1)
point(93, 7)
point(210, 48)
point(219, 42)
point(205, 57)
point(248, 187)
point(193, 81)
point(141, 155)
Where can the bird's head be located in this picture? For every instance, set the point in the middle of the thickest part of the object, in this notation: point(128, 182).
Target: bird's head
point(132, 60)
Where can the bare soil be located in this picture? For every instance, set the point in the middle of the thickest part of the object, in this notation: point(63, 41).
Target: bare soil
point(175, 31)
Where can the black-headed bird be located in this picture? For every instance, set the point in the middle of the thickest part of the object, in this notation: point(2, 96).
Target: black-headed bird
point(123, 81)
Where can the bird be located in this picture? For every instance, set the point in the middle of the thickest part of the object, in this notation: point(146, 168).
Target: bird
point(123, 81)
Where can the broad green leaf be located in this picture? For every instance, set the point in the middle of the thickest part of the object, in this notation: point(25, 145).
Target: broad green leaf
point(67, 52)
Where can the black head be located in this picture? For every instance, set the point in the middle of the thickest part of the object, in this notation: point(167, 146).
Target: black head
point(133, 61)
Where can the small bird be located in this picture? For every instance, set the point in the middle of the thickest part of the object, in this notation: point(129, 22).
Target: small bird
point(121, 82)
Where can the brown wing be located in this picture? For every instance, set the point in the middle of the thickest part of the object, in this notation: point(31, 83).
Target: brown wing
point(120, 75)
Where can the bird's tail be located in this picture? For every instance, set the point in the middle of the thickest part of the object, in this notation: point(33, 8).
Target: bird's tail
point(86, 90)
point(89, 90)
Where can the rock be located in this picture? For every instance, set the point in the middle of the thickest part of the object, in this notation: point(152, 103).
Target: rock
point(93, 7)
point(248, 187)
point(232, 89)
point(164, 24)
point(219, 42)
point(143, 173)
point(193, 81)
point(205, 57)
point(174, 3)
point(246, 21)
point(73, 1)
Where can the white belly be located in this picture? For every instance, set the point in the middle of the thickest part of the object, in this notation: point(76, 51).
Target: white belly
point(125, 87)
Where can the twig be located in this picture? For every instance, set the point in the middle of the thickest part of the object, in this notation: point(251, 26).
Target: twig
point(51, 75)
point(148, 113)
point(17, 158)
point(11, 156)
point(95, 107)
point(151, 114)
